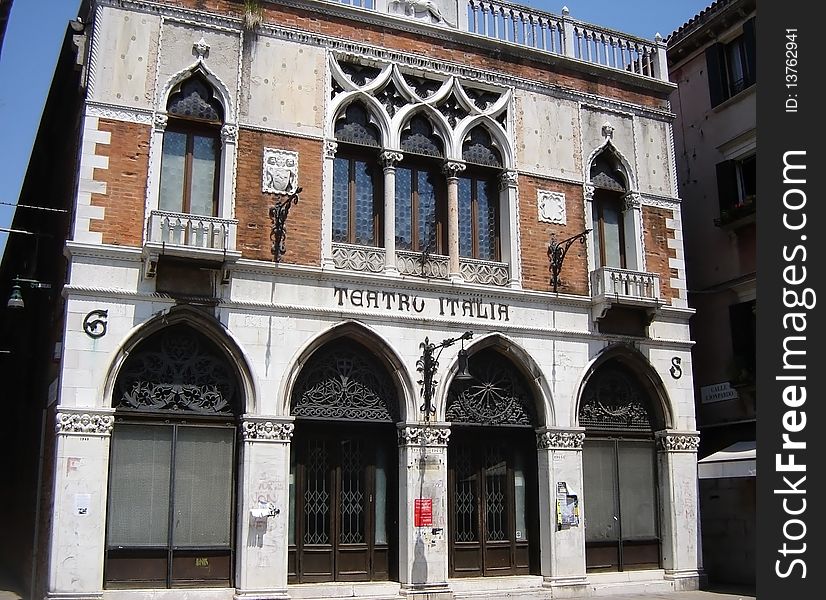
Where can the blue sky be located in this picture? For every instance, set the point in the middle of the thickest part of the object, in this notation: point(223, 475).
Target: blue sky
point(36, 28)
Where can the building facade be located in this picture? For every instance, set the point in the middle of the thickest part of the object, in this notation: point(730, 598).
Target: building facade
point(712, 61)
point(383, 300)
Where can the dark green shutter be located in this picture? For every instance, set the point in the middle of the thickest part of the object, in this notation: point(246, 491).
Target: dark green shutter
point(727, 184)
point(750, 47)
point(714, 65)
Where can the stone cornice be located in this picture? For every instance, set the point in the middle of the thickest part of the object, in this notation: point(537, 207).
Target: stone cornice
point(84, 421)
point(115, 112)
point(263, 429)
point(560, 439)
point(677, 441)
point(424, 435)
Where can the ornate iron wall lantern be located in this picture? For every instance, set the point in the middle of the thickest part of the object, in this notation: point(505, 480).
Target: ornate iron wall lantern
point(557, 252)
point(16, 297)
point(278, 215)
point(428, 364)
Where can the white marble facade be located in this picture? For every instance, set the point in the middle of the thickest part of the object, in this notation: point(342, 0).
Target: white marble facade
point(270, 317)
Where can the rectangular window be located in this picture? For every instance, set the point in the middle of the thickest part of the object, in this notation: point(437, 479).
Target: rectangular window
point(420, 209)
point(189, 171)
point(608, 230)
point(732, 66)
point(478, 218)
point(736, 188)
point(356, 201)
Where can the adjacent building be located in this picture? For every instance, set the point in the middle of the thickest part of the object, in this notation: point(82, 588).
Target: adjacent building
point(712, 61)
point(378, 300)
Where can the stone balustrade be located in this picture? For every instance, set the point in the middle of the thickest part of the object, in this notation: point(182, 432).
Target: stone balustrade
point(192, 231)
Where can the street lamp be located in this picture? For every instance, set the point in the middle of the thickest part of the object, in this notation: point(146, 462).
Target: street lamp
point(428, 364)
point(557, 252)
point(16, 296)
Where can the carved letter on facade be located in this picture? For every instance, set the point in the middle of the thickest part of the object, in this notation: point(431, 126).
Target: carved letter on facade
point(280, 171)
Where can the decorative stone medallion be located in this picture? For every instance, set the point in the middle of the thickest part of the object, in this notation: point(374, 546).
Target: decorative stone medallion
point(552, 207)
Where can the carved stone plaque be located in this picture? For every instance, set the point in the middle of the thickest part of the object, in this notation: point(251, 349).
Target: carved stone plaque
point(280, 171)
point(552, 207)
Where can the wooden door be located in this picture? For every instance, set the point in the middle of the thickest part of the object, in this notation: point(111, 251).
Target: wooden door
point(492, 505)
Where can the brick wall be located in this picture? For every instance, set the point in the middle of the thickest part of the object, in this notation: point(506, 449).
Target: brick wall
point(435, 49)
point(252, 205)
point(657, 252)
point(536, 235)
point(125, 179)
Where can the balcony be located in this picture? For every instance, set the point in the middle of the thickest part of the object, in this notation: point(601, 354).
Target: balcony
point(542, 31)
point(197, 237)
point(620, 287)
point(738, 215)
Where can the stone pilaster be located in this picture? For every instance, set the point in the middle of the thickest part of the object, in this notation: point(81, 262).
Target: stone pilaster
point(452, 170)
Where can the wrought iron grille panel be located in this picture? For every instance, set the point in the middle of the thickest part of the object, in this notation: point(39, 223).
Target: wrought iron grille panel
point(420, 139)
point(194, 100)
point(177, 369)
point(352, 494)
point(345, 381)
point(479, 149)
point(316, 495)
point(614, 399)
point(496, 495)
point(495, 396)
point(466, 528)
point(355, 127)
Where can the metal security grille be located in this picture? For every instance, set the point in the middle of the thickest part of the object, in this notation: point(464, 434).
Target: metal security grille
point(466, 528)
point(496, 498)
point(317, 496)
point(352, 493)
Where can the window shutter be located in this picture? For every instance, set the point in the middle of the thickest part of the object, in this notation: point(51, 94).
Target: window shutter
point(749, 43)
point(727, 194)
point(715, 74)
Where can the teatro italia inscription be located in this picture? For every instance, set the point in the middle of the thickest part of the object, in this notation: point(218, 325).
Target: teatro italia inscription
point(398, 301)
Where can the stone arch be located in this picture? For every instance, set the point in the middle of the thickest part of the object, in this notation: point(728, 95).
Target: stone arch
point(218, 86)
point(637, 365)
point(498, 136)
point(440, 128)
point(627, 169)
point(374, 110)
point(521, 360)
point(204, 324)
point(380, 348)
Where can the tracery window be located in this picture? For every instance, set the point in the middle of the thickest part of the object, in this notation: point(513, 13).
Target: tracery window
point(608, 212)
point(479, 197)
point(357, 182)
point(191, 152)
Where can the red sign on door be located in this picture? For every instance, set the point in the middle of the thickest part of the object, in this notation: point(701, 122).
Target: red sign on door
point(423, 512)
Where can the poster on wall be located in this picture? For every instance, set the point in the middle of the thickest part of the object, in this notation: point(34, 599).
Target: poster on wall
point(423, 512)
point(567, 507)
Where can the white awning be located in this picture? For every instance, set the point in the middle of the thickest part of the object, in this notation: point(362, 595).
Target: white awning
point(738, 460)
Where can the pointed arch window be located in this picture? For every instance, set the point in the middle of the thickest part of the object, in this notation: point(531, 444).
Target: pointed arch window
point(191, 153)
point(421, 191)
point(479, 221)
point(607, 211)
point(357, 181)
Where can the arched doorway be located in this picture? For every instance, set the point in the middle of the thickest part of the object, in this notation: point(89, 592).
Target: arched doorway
point(492, 487)
point(170, 517)
point(622, 529)
point(343, 468)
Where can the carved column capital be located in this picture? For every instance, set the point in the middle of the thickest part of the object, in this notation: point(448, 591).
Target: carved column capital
point(330, 148)
point(677, 441)
point(262, 430)
point(631, 201)
point(419, 435)
point(560, 439)
point(389, 159)
point(508, 179)
point(589, 192)
point(159, 122)
point(452, 169)
point(84, 422)
point(229, 134)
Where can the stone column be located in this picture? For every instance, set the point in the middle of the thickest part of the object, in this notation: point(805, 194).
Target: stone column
point(78, 525)
point(423, 551)
point(389, 160)
point(263, 508)
point(633, 226)
point(330, 148)
point(677, 464)
point(509, 213)
point(452, 169)
point(562, 548)
point(155, 155)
